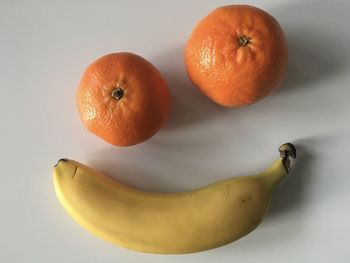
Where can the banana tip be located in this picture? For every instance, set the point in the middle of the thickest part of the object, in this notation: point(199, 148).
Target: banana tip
point(61, 160)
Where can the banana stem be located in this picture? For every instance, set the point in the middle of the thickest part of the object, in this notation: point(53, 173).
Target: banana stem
point(287, 152)
point(275, 173)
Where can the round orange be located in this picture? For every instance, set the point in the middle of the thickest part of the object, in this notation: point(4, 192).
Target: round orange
point(123, 99)
point(237, 55)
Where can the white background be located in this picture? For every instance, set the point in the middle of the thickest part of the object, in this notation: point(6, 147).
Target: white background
point(44, 49)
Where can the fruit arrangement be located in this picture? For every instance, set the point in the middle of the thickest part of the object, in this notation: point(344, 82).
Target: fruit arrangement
point(236, 56)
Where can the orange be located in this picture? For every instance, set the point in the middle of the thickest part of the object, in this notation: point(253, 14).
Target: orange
point(123, 99)
point(236, 55)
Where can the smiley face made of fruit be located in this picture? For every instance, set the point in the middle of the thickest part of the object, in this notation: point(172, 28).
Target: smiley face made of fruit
point(236, 56)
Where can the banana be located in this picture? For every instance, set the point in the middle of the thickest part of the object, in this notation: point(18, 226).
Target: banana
point(168, 223)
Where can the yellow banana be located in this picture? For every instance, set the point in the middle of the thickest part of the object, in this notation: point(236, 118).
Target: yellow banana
point(167, 223)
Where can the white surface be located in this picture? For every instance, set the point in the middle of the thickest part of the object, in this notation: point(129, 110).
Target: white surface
point(44, 49)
